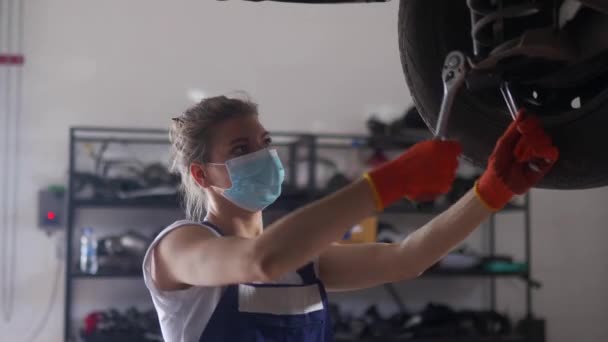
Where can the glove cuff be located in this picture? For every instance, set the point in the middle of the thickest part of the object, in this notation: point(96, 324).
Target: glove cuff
point(492, 192)
point(372, 186)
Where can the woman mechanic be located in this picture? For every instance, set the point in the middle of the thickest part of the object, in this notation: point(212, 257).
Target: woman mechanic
point(224, 277)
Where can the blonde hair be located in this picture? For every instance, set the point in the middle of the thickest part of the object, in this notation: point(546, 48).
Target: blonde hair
point(191, 136)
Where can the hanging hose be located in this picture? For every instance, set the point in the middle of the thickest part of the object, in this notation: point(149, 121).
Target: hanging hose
point(6, 248)
point(11, 38)
point(16, 161)
point(37, 330)
point(10, 288)
point(4, 165)
point(488, 21)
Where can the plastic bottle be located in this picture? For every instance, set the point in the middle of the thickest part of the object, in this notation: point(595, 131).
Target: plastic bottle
point(88, 252)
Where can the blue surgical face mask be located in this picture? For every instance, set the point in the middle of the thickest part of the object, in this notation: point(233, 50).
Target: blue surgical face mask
point(256, 179)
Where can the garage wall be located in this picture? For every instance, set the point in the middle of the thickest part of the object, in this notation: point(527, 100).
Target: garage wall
point(318, 68)
point(572, 261)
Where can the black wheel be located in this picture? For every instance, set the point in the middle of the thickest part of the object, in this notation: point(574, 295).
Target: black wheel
point(428, 31)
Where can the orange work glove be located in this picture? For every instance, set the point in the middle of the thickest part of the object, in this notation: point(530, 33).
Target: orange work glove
point(423, 172)
point(522, 148)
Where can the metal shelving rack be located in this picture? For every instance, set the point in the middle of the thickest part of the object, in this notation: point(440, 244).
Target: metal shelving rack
point(292, 142)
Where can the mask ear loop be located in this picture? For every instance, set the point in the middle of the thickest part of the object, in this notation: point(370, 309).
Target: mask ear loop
point(227, 171)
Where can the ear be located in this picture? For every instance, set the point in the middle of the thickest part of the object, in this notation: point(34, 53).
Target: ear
point(197, 171)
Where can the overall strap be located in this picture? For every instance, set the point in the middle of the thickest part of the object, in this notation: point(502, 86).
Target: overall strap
point(307, 272)
point(213, 227)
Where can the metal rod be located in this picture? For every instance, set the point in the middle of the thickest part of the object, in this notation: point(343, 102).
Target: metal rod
point(165, 141)
point(508, 97)
point(492, 235)
point(293, 172)
point(349, 137)
point(15, 164)
point(123, 140)
point(5, 263)
point(105, 129)
point(390, 288)
point(68, 241)
point(492, 238)
point(528, 251)
point(78, 129)
point(88, 133)
point(312, 165)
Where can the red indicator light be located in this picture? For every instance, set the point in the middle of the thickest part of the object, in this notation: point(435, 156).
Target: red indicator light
point(50, 215)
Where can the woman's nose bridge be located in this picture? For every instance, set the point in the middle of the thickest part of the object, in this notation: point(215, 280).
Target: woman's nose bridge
point(258, 145)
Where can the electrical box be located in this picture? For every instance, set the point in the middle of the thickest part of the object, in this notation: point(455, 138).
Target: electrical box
point(51, 208)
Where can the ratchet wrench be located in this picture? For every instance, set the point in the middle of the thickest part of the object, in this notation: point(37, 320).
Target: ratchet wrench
point(453, 76)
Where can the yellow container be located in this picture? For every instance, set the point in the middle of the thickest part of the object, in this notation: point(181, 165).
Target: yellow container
point(365, 232)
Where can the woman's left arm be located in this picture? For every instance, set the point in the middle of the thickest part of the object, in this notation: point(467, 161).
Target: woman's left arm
point(509, 172)
point(349, 267)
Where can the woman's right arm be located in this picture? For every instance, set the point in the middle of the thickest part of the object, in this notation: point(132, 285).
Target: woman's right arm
point(193, 256)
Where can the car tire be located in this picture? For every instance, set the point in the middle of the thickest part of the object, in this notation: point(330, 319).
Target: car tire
point(428, 31)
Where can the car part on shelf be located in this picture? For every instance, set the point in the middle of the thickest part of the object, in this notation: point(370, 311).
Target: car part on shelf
point(121, 253)
point(435, 321)
point(113, 325)
point(130, 243)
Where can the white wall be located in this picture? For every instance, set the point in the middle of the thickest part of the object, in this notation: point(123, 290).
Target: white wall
point(572, 260)
point(319, 68)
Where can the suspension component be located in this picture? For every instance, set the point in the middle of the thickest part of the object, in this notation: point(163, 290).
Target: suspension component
point(489, 21)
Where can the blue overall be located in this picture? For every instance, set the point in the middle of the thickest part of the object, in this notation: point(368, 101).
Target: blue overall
point(236, 319)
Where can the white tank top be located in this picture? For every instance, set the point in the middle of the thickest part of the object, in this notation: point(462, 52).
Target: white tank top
point(184, 314)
